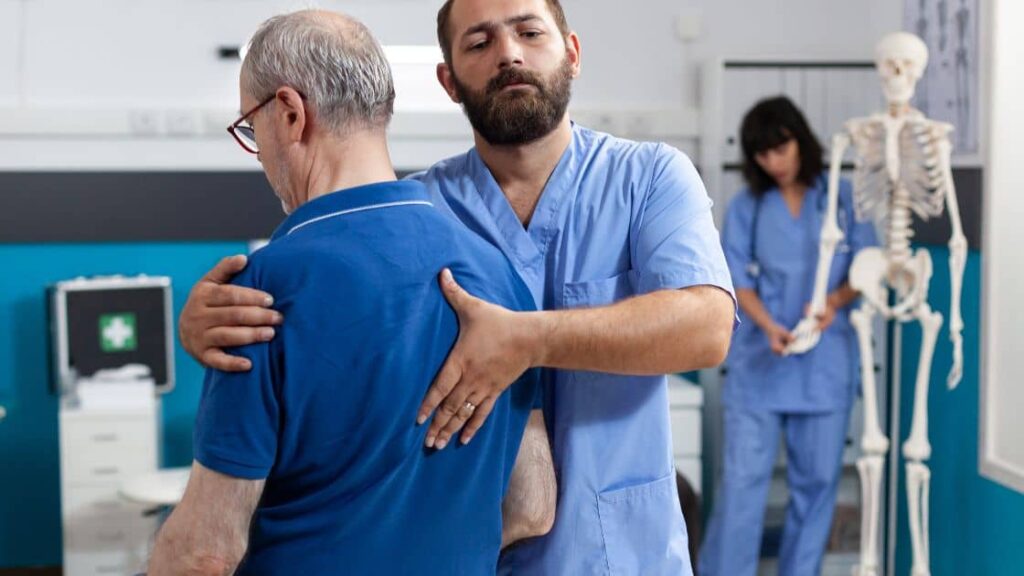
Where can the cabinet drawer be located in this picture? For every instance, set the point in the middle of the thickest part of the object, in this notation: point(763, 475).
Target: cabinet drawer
point(686, 438)
point(96, 519)
point(110, 533)
point(97, 501)
point(95, 433)
point(105, 563)
point(109, 464)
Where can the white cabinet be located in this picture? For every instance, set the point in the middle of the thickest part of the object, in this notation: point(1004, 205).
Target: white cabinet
point(685, 403)
point(103, 533)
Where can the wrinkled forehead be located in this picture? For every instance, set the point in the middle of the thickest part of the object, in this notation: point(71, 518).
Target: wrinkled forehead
point(474, 14)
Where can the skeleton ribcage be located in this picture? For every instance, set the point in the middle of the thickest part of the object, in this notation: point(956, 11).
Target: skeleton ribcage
point(889, 196)
point(920, 171)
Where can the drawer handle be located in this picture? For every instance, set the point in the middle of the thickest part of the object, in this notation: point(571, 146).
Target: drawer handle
point(110, 536)
point(108, 471)
point(104, 438)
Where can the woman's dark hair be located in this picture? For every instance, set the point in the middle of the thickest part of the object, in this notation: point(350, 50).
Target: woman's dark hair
point(770, 123)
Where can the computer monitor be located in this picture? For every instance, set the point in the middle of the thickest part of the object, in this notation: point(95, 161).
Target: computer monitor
point(109, 322)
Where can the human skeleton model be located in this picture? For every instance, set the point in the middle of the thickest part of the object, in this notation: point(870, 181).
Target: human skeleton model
point(902, 166)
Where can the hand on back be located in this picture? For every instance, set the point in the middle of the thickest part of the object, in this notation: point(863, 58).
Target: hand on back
point(219, 315)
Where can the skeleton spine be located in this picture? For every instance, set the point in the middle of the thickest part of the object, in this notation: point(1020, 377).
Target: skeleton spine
point(900, 231)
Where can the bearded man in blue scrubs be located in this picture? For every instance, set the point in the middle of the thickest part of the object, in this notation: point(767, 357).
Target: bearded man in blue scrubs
point(616, 243)
point(316, 448)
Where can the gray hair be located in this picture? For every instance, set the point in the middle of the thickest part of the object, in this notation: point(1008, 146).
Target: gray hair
point(329, 58)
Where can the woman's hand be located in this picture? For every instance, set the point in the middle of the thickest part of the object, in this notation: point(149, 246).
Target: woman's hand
point(778, 338)
point(825, 317)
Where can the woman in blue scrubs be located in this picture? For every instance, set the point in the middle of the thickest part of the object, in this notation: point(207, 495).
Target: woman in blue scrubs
point(771, 235)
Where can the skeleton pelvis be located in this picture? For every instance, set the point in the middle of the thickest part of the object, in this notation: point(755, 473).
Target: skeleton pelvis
point(873, 274)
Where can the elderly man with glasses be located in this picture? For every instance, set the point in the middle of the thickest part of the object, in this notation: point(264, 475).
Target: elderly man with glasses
point(311, 462)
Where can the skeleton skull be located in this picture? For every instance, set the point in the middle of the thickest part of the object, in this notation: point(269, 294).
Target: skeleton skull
point(901, 59)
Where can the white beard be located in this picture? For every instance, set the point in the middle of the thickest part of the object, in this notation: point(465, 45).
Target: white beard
point(280, 184)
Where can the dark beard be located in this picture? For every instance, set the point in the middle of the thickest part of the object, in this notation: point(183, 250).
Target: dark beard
point(520, 116)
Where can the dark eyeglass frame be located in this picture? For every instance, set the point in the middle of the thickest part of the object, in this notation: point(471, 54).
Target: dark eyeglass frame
point(248, 131)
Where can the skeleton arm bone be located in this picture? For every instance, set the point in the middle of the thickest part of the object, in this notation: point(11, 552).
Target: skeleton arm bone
point(957, 262)
point(806, 334)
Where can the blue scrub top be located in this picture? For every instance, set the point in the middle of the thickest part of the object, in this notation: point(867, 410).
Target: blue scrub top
point(328, 412)
point(825, 378)
point(617, 219)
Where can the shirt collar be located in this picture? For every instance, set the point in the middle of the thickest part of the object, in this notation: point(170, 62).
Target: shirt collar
point(351, 200)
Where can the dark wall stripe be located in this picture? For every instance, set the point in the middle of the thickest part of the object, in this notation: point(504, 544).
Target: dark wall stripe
point(184, 206)
point(969, 184)
point(136, 206)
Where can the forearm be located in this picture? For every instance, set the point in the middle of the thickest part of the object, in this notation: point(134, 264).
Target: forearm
point(658, 333)
point(208, 532)
point(842, 296)
point(180, 551)
point(753, 307)
point(529, 506)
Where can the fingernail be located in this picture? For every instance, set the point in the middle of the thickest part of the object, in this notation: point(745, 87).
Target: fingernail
point(266, 334)
point(268, 301)
point(421, 419)
point(446, 274)
point(430, 441)
point(441, 444)
point(278, 318)
point(467, 439)
point(246, 365)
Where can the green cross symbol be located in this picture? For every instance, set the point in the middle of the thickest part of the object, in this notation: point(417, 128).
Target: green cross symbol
point(117, 333)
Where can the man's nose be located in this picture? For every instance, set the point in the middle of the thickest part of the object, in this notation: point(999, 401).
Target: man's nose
point(510, 53)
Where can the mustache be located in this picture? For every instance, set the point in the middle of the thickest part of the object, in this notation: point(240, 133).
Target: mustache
point(510, 76)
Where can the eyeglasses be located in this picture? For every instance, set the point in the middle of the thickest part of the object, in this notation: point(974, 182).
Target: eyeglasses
point(245, 134)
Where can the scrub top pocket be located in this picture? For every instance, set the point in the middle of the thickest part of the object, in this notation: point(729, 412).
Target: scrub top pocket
point(633, 520)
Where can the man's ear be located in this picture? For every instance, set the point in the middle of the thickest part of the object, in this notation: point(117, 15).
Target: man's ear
point(574, 52)
point(291, 115)
point(444, 76)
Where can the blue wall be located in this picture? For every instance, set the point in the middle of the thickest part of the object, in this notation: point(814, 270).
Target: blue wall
point(977, 525)
point(30, 531)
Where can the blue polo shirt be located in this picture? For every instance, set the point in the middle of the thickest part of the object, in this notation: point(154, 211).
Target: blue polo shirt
point(328, 412)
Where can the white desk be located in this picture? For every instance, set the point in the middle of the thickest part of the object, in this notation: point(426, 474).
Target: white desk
point(161, 488)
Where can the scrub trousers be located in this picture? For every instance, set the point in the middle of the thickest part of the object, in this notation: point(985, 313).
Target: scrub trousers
point(814, 450)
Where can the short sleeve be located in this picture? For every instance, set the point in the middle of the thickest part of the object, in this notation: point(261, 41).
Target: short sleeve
point(736, 239)
point(238, 419)
point(677, 244)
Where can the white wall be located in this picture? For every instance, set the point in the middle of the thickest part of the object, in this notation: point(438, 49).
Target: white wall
point(1002, 453)
point(78, 49)
point(130, 55)
point(632, 51)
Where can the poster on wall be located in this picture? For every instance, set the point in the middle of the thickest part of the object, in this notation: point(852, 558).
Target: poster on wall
point(949, 90)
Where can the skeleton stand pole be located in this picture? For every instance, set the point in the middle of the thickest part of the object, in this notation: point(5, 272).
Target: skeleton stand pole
point(893, 402)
